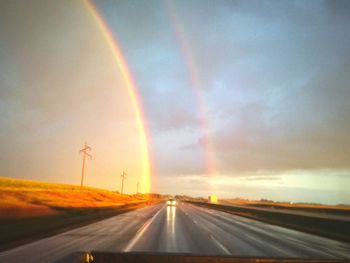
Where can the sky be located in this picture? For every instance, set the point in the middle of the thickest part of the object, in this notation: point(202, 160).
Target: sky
point(242, 99)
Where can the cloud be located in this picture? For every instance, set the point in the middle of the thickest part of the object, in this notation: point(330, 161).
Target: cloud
point(274, 77)
point(282, 103)
point(287, 187)
point(262, 178)
point(308, 129)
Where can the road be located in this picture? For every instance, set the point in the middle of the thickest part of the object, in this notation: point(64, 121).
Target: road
point(185, 229)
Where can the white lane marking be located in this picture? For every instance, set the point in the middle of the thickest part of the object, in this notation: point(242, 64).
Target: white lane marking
point(218, 243)
point(140, 232)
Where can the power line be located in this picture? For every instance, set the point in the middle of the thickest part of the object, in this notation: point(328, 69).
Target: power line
point(137, 187)
point(85, 153)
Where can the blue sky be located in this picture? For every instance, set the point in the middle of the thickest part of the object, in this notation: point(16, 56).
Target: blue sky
point(274, 76)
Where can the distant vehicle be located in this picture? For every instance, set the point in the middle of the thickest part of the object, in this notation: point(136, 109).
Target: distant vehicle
point(213, 199)
point(171, 201)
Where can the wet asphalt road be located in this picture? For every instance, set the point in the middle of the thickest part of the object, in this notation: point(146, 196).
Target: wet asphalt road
point(182, 229)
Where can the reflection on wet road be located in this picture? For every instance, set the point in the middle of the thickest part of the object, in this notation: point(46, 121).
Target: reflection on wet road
point(181, 229)
point(170, 227)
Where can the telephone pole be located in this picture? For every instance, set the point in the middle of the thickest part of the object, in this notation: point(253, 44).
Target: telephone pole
point(85, 153)
point(137, 187)
point(123, 176)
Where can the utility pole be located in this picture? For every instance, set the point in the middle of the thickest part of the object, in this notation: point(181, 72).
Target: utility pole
point(85, 153)
point(137, 187)
point(123, 176)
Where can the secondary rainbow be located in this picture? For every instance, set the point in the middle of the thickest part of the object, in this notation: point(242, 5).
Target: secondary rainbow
point(195, 82)
point(130, 84)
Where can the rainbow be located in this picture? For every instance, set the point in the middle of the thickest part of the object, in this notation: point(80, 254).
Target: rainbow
point(195, 81)
point(132, 91)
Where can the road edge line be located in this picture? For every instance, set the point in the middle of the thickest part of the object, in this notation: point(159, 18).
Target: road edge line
point(140, 232)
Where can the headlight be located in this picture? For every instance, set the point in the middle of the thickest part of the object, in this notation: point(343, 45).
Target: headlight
point(174, 202)
point(168, 202)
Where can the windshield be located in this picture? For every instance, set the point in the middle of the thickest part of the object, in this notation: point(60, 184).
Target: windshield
point(209, 128)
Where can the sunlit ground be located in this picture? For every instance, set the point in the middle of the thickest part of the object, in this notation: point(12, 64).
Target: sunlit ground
point(25, 199)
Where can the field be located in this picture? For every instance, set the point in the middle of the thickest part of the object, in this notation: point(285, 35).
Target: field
point(318, 210)
point(31, 209)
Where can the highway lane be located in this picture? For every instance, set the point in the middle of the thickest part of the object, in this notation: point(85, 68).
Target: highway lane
point(184, 229)
point(111, 234)
point(192, 229)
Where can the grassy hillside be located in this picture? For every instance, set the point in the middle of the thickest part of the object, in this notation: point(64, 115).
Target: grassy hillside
point(24, 198)
point(30, 210)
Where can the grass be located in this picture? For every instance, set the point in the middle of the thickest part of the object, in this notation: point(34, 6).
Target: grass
point(341, 210)
point(25, 199)
point(30, 210)
point(239, 201)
